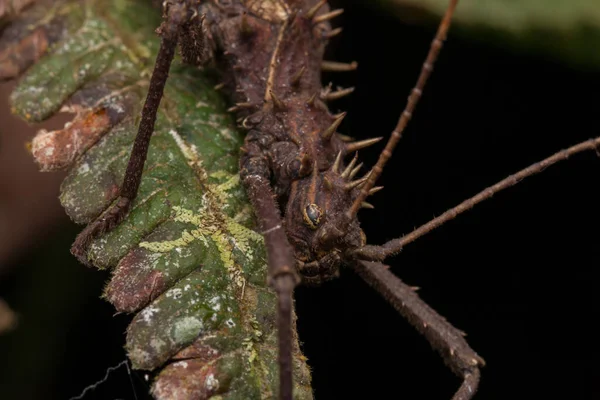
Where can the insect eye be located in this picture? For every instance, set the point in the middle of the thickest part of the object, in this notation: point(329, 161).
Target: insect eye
point(312, 215)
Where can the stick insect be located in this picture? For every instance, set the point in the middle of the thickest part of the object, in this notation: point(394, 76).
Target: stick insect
point(293, 154)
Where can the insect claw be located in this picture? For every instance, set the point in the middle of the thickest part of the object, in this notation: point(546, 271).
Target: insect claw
point(338, 161)
point(364, 204)
point(315, 9)
point(338, 94)
point(327, 16)
point(333, 66)
point(350, 167)
point(354, 146)
point(375, 190)
point(296, 78)
point(355, 171)
point(276, 101)
point(328, 133)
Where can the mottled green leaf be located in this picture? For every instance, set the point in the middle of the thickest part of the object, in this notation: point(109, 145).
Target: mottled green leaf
point(186, 258)
point(569, 29)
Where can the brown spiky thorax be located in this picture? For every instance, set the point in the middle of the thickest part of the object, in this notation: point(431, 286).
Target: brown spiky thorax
point(272, 52)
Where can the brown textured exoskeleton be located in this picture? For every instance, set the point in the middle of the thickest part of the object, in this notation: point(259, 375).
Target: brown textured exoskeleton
point(270, 53)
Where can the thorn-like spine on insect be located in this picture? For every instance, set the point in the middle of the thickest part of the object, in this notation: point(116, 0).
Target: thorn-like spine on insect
point(334, 66)
point(327, 16)
point(346, 173)
point(355, 171)
point(364, 204)
point(328, 133)
point(332, 33)
point(310, 14)
point(311, 100)
point(375, 190)
point(345, 138)
point(337, 163)
point(240, 106)
point(355, 146)
point(338, 94)
point(277, 102)
point(295, 81)
point(351, 185)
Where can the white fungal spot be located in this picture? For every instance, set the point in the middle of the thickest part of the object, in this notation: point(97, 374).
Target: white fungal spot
point(85, 167)
point(214, 302)
point(148, 313)
point(211, 382)
point(182, 364)
point(187, 328)
point(176, 293)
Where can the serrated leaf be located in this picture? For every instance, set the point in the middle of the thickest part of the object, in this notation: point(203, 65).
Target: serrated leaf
point(569, 30)
point(186, 256)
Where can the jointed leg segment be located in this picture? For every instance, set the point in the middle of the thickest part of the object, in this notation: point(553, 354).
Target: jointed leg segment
point(282, 270)
point(177, 16)
point(442, 336)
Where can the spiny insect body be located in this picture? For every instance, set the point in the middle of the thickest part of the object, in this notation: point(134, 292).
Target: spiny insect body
point(273, 58)
point(293, 162)
point(270, 54)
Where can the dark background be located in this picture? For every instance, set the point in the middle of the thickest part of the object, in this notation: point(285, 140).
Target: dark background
point(517, 273)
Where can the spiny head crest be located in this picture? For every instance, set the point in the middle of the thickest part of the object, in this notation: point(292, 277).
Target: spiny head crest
point(313, 216)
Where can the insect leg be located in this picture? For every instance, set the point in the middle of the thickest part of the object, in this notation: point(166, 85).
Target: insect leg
point(176, 16)
point(442, 336)
point(379, 253)
point(281, 261)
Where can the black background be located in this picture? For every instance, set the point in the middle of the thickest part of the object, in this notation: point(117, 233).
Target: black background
point(517, 273)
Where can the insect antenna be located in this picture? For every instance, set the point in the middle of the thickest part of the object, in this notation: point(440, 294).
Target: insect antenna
point(395, 245)
point(413, 99)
